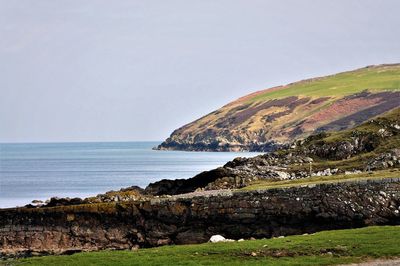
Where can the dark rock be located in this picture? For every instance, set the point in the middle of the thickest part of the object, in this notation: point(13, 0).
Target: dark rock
point(180, 186)
point(55, 201)
point(384, 160)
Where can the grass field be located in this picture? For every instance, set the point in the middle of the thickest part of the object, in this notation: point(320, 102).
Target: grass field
point(375, 79)
point(323, 248)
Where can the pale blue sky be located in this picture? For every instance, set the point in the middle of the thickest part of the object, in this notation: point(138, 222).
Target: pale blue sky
point(136, 70)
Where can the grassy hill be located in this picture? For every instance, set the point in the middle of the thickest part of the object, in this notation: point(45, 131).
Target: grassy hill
point(374, 78)
point(323, 248)
point(296, 110)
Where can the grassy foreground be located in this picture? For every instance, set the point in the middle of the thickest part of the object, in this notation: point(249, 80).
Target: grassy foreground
point(323, 248)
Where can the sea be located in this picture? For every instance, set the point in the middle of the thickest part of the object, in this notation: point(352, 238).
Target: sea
point(38, 171)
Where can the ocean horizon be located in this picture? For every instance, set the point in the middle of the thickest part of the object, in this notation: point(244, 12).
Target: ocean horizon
point(38, 171)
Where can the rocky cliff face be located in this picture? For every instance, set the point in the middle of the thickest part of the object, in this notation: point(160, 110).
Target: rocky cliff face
point(193, 219)
point(263, 120)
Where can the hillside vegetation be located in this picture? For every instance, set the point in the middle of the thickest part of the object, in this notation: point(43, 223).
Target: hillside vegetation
point(257, 122)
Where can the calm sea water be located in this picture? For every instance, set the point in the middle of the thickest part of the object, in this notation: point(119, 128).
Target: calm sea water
point(41, 171)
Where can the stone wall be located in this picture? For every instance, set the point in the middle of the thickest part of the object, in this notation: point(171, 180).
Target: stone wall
point(193, 219)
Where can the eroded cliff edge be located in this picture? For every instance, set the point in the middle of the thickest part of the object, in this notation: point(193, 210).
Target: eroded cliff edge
point(187, 219)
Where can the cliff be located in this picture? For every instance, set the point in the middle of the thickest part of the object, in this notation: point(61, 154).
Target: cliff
point(193, 219)
point(264, 120)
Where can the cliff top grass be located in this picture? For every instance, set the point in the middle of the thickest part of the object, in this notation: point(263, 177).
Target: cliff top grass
point(373, 78)
point(323, 248)
point(375, 175)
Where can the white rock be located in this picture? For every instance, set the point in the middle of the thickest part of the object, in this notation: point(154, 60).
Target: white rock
point(283, 175)
point(308, 159)
point(327, 172)
point(217, 238)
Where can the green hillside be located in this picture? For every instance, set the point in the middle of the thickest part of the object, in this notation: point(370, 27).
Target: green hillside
point(375, 78)
point(259, 121)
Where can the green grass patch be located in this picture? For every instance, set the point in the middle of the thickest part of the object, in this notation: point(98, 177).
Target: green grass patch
point(323, 248)
point(376, 78)
point(376, 175)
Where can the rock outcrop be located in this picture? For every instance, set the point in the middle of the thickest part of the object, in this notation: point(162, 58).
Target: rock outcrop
point(237, 173)
point(188, 219)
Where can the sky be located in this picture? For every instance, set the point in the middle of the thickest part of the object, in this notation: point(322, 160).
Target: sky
point(129, 70)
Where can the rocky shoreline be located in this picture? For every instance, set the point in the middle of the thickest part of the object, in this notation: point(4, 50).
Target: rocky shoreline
point(194, 218)
point(215, 146)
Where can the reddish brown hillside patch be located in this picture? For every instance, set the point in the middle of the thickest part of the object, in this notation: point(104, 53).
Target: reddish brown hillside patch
point(341, 108)
point(363, 115)
point(349, 111)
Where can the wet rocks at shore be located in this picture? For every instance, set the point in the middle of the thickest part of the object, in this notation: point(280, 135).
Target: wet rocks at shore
point(132, 193)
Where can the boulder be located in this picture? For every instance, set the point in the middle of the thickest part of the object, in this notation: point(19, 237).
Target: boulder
point(217, 238)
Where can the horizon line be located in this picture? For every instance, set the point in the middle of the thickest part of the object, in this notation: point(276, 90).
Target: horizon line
point(89, 141)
